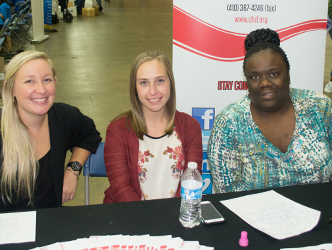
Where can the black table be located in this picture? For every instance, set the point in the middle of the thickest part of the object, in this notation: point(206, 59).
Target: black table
point(160, 217)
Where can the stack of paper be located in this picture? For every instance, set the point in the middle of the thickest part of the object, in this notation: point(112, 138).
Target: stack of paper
point(274, 214)
point(126, 242)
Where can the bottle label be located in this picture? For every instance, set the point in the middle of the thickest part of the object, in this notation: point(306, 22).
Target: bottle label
point(191, 194)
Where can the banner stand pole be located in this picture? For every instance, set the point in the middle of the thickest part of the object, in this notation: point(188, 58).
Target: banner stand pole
point(38, 21)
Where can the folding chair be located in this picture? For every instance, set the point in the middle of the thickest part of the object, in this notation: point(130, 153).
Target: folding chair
point(19, 6)
point(2, 39)
point(5, 31)
point(94, 167)
point(15, 37)
point(23, 25)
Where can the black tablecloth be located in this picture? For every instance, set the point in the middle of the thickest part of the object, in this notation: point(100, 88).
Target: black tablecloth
point(160, 217)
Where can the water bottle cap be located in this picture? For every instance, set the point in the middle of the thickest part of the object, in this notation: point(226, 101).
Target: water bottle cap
point(192, 165)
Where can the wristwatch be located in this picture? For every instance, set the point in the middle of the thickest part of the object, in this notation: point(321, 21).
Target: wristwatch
point(75, 165)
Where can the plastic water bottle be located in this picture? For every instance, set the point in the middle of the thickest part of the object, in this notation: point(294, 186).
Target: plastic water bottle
point(191, 195)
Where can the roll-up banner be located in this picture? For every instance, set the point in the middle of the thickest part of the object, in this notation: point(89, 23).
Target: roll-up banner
point(48, 14)
point(208, 51)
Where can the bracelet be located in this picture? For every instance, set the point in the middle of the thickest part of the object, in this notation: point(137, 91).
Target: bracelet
point(71, 170)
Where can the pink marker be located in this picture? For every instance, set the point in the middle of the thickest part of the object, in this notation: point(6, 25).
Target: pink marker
point(243, 241)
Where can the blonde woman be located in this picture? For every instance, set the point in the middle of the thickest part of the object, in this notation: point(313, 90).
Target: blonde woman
point(36, 134)
point(148, 148)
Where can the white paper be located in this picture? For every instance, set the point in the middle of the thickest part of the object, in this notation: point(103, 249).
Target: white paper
point(92, 243)
point(163, 242)
point(103, 242)
point(152, 242)
point(190, 245)
point(69, 245)
point(54, 246)
point(320, 247)
point(17, 227)
point(131, 244)
point(115, 241)
point(141, 241)
point(274, 214)
point(159, 242)
point(205, 248)
point(175, 243)
point(126, 242)
point(82, 244)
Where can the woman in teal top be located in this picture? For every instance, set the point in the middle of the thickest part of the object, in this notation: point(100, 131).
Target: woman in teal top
point(4, 11)
point(276, 135)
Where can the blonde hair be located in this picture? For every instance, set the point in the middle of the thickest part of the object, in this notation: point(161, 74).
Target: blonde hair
point(136, 115)
point(19, 167)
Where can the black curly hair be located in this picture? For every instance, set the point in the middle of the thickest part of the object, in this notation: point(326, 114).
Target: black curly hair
point(263, 39)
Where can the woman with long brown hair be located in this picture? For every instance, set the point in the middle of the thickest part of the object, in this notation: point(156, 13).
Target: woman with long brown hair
point(148, 147)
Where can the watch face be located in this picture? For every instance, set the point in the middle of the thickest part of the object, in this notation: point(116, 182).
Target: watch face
point(76, 166)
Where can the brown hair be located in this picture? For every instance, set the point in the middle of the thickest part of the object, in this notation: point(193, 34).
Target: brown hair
point(136, 116)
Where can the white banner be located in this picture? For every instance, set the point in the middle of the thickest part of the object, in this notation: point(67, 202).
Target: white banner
point(208, 50)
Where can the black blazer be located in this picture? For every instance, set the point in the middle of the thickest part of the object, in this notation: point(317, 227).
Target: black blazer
point(68, 128)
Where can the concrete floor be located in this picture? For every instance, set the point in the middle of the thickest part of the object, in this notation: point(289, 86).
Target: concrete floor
point(93, 57)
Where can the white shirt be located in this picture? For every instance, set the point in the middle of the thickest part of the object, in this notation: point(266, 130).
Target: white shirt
point(160, 166)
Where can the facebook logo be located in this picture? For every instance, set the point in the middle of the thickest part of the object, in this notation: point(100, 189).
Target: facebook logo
point(205, 117)
point(205, 138)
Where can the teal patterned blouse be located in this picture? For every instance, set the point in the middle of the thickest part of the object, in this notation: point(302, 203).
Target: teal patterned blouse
point(241, 158)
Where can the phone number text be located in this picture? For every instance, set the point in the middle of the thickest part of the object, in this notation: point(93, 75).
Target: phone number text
point(252, 7)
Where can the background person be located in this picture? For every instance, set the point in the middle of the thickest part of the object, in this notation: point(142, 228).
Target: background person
point(274, 136)
point(36, 134)
point(148, 148)
point(4, 12)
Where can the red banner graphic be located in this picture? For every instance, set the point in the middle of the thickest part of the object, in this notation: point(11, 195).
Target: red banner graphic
point(204, 39)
